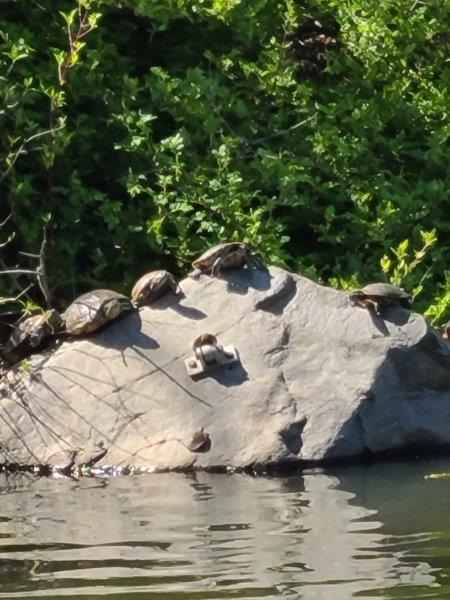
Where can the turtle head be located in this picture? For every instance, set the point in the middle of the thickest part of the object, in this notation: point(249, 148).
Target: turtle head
point(357, 296)
point(138, 300)
point(174, 286)
point(256, 260)
point(253, 259)
point(111, 309)
point(114, 307)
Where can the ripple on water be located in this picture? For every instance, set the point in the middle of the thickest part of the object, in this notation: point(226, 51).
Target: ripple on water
point(358, 532)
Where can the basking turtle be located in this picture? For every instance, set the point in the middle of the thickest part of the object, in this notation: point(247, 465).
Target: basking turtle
point(379, 295)
point(153, 285)
point(92, 310)
point(200, 442)
point(30, 335)
point(228, 255)
point(203, 340)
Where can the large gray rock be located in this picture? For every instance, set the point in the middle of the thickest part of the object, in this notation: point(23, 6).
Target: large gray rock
point(319, 379)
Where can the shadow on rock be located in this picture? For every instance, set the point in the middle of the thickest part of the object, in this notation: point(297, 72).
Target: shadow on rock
point(407, 408)
point(174, 302)
point(125, 337)
point(229, 376)
point(395, 314)
point(276, 300)
point(378, 323)
point(239, 282)
point(291, 435)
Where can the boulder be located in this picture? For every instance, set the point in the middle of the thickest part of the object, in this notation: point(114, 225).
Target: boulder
point(318, 379)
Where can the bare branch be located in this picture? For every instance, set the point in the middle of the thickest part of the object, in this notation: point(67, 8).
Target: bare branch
point(41, 273)
point(41, 133)
point(15, 279)
point(14, 299)
point(21, 148)
point(9, 239)
point(282, 132)
point(18, 271)
point(29, 254)
point(6, 220)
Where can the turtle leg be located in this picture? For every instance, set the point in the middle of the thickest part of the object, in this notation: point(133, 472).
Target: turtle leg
point(175, 287)
point(371, 305)
point(405, 303)
point(195, 274)
point(216, 266)
point(256, 261)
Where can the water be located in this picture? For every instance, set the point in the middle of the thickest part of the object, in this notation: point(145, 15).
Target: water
point(372, 531)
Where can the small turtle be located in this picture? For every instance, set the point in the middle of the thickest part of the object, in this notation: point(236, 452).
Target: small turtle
point(30, 335)
point(378, 295)
point(92, 310)
point(200, 442)
point(206, 348)
point(153, 285)
point(204, 340)
point(224, 256)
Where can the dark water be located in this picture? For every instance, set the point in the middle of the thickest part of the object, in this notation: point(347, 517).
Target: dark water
point(374, 531)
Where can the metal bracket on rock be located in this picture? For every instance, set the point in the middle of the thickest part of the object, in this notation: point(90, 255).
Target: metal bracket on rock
point(210, 356)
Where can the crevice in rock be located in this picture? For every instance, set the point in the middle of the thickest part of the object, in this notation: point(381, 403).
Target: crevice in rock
point(282, 342)
point(291, 435)
point(279, 297)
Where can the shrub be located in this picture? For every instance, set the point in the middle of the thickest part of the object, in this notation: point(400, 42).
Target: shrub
point(317, 132)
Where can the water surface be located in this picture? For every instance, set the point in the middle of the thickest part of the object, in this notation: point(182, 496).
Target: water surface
point(368, 531)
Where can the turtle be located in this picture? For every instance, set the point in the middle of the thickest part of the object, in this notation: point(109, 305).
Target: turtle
point(152, 285)
point(227, 255)
point(206, 339)
point(29, 335)
point(206, 348)
point(378, 295)
point(93, 310)
point(200, 442)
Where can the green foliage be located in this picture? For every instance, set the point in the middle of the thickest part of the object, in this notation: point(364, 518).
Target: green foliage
point(150, 129)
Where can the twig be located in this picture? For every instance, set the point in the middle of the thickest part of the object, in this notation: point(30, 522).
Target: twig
point(16, 280)
point(6, 220)
point(19, 151)
point(41, 274)
point(18, 271)
point(29, 254)
point(84, 28)
point(10, 239)
point(278, 133)
point(22, 293)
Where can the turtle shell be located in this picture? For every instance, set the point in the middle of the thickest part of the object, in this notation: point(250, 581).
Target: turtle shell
point(234, 254)
point(30, 335)
point(385, 290)
point(152, 285)
point(93, 310)
point(202, 340)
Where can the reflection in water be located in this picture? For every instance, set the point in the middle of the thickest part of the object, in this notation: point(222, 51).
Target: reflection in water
point(367, 531)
